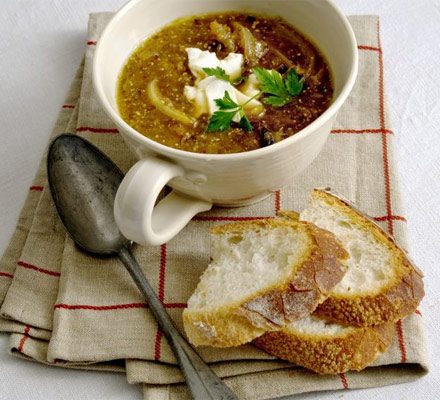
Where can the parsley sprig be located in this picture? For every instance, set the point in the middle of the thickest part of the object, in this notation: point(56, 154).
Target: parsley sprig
point(221, 120)
point(278, 91)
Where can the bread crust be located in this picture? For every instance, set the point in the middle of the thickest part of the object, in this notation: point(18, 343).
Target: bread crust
point(394, 301)
point(274, 307)
point(329, 354)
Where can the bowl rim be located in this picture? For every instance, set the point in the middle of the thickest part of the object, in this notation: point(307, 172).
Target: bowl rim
point(246, 155)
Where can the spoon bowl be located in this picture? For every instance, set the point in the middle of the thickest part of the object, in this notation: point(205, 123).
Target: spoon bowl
point(83, 182)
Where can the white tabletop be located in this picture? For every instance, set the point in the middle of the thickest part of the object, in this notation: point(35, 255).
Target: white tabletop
point(41, 45)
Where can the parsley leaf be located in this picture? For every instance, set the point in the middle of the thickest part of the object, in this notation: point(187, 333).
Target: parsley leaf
point(277, 101)
point(226, 103)
point(281, 91)
point(218, 72)
point(245, 123)
point(220, 121)
point(271, 82)
point(294, 84)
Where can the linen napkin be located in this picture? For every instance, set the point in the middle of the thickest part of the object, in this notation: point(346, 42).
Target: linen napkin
point(65, 308)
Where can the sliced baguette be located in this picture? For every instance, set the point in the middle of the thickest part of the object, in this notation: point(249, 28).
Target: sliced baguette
point(263, 275)
point(327, 348)
point(382, 284)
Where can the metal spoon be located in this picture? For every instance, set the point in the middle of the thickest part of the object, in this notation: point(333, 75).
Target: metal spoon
point(83, 182)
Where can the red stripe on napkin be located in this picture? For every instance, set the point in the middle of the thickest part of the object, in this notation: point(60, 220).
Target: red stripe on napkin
point(157, 343)
point(371, 48)
point(386, 169)
point(163, 265)
point(161, 294)
point(38, 269)
point(344, 380)
point(68, 106)
point(91, 43)
point(390, 217)
point(113, 306)
point(100, 308)
point(36, 188)
point(277, 201)
point(6, 274)
point(399, 329)
point(386, 172)
point(361, 131)
point(27, 328)
point(96, 130)
point(175, 305)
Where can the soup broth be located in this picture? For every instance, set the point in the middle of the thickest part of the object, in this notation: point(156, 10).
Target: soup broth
point(153, 94)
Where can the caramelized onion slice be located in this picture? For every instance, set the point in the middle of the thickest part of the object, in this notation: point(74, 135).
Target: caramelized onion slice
point(164, 105)
point(223, 34)
point(253, 49)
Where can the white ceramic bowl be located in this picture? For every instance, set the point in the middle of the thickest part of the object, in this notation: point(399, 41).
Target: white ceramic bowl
point(200, 180)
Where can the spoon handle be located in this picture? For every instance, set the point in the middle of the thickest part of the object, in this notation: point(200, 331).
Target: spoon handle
point(203, 383)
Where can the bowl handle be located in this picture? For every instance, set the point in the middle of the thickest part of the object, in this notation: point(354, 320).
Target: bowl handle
point(138, 216)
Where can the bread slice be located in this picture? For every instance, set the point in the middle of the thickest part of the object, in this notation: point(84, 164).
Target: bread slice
point(263, 275)
point(327, 348)
point(382, 284)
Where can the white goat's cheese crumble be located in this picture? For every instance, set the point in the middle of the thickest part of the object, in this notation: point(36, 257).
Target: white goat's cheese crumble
point(209, 88)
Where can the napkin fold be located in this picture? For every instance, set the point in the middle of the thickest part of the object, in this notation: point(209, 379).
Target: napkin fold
point(62, 307)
